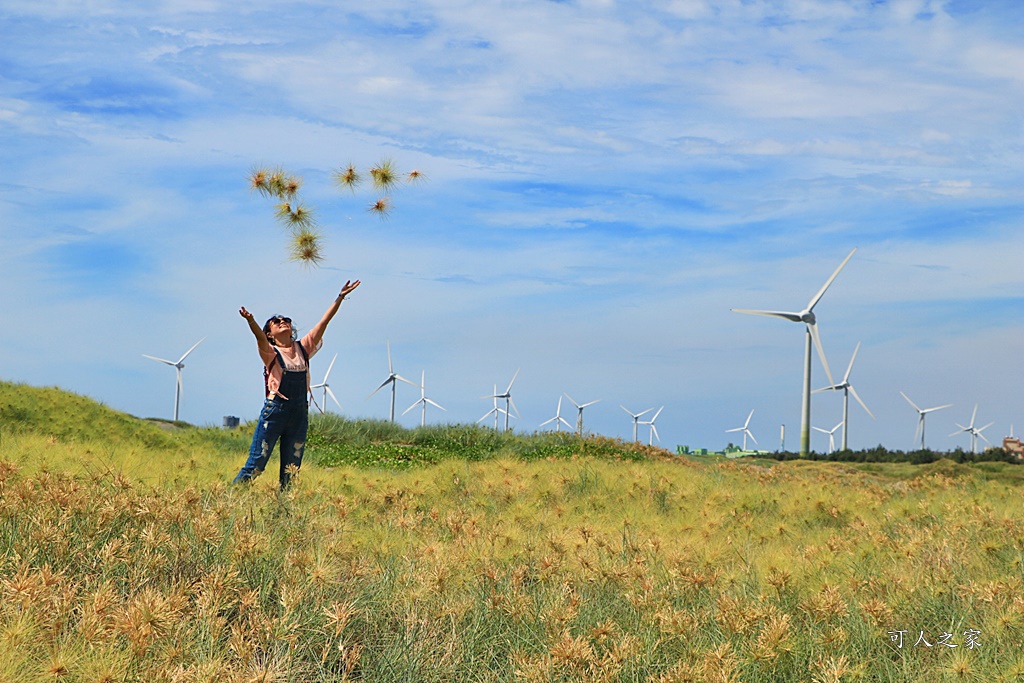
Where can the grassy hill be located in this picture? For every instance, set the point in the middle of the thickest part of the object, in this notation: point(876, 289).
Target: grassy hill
point(125, 556)
point(64, 415)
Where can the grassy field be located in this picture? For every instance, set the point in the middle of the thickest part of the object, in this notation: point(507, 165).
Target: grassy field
point(455, 554)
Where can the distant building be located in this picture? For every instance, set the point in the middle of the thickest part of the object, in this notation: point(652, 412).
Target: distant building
point(1012, 444)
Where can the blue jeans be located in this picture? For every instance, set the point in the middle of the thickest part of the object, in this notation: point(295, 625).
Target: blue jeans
point(280, 420)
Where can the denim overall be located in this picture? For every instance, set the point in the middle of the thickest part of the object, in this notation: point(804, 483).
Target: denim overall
point(284, 419)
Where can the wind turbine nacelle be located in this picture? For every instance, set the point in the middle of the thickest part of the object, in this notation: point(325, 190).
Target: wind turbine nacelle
point(808, 317)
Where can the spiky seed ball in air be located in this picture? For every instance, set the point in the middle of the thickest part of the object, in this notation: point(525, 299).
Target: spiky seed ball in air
point(348, 177)
point(414, 176)
point(259, 181)
point(276, 183)
point(294, 216)
point(382, 207)
point(384, 175)
point(306, 247)
point(291, 185)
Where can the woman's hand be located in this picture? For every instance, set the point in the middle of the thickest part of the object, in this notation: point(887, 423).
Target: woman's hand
point(245, 314)
point(349, 287)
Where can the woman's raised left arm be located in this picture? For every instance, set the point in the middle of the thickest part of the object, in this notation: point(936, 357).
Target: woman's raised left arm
point(320, 327)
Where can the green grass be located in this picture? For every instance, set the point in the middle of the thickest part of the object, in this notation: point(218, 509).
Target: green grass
point(476, 556)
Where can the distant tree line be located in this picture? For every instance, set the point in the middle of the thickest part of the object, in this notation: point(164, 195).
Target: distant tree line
point(919, 457)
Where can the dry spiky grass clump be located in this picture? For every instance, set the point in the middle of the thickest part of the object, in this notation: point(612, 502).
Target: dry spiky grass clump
point(306, 247)
point(384, 175)
point(348, 178)
point(276, 183)
point(382, 207)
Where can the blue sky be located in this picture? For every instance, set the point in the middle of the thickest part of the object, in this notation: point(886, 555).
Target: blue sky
point(604, 181)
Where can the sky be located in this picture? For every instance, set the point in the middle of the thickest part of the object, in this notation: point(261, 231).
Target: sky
point(601, 183)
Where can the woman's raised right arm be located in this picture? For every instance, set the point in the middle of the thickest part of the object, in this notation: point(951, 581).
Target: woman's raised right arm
point(261, 338)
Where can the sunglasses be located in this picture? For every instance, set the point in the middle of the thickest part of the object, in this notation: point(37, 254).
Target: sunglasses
point(278, 320)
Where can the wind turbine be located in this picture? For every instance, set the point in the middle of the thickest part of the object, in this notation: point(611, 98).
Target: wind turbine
point(807, 317)
point(393, 379)
point(847, 390)
point(423, 400)
point(654, 430)
point(832, 436)
point(507, 395)
point(975, 432)
point(179, 365)
point(557, 419)
point(920, 416)
point(495, 410)
point(636, 417)
point(579, 417)
point(745, 429)
point(327, 387)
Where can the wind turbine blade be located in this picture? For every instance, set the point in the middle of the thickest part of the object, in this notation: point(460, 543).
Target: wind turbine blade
point(572, 401)
point(590, 404)
point(565, 422)
point(436, 405)
point(512, 405)
point(656, 414)
point(747, 423)
point(979, 429)
point(751, 435)
point(513, 381)
point(819, 429)
point(813, 328)
point(961, 430)
point(910, 402)
point(412, 406)
point(817, 297)
point(849, 368)
point(330, 367)
point(974, 414)
point(412, 384)
point(383, 384)
point(333, 397)
point(391, 370)
point(862, 404)
point(654, 431)
point(737, 429)
point(835, 387)
point(169, 362)
point(191, 350)
point(792, 317)
point(928, 410)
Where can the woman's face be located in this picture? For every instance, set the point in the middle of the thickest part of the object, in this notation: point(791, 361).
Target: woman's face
point(281, 328)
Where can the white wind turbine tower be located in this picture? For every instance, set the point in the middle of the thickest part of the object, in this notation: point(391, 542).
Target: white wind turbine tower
point(178, 366)
point(636, 417)
point(745, 429)
point(920, 419)
point(495, 410)
point(975, 432)
point(393, 379)
point(579, 417)
point(832, 437)
point(807, 317)
point(509, 404)
point(327, 387)
point(423, 400)
point(557, 419)
point(654, 430)
point(847, 389)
